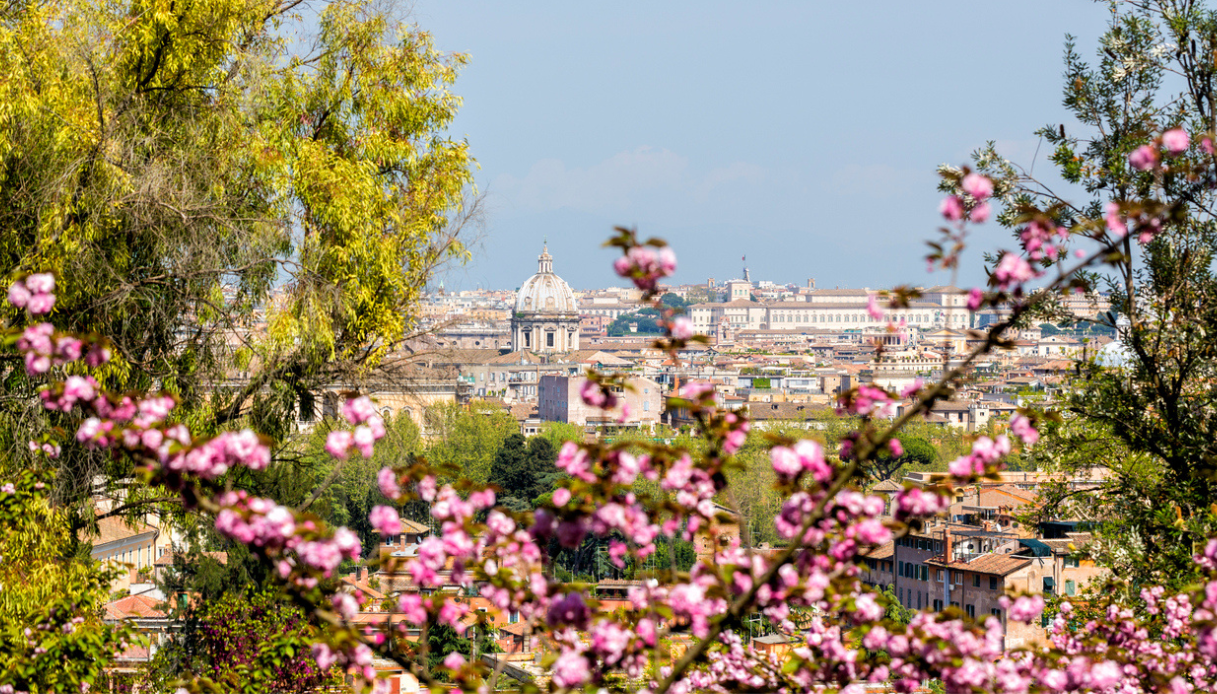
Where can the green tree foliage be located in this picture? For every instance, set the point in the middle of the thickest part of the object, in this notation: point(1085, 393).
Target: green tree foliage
point(1161, 405)
point(191, 171)
point(52, 638)
point(558, 433)
point(646, 324)
point(523, 470)
point(918, 454)
point(467, 439)
point(249, 644)
point(673, 301)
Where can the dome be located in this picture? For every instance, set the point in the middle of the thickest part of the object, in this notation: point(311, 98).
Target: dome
point(545, 292)
point(1115, 355)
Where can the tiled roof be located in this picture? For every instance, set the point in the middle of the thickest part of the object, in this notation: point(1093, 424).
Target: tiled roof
point(515, 628)
point(887, 486)
point(1024, 494)
point(519, 357)
point(992, 564)
point(135, 606)
point(884, 551)
point(364, 586)
point(113, 528)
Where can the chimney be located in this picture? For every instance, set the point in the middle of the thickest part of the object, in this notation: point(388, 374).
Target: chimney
point(946, 533)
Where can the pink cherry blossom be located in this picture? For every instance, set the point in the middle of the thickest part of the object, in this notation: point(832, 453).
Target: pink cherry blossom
point(1175, 141)
point(975, 298)
point(386, 479)
point(977, 185)
point(681, 328)
point(358, 410)
point(384, 520)
point(872, 308)
point(39, 304)
point(40, 283)
point(1143, 158)
point(951, 208)
point(1013, 270)
point(18, 294)
point(338, 442)
point(324, 656)
point(980, 213)
point(1022, 428)
point(1115, 223)
point(570, 670)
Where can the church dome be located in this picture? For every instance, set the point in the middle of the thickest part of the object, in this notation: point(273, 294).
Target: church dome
point(545, 292)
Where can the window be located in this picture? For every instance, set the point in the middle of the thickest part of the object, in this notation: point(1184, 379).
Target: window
point(958, 578)
point(993, 583)
point(937, 605)
point(901, 596)
point(646, 406)
point(308, 407)
point(919, 600)
point(900, 567)
point(971, 610)
point(527, 339)
point(939, 575)
point(1070, 587)
point(515, 617)
point(975, 580)
point(925, 573)
point(1071, 562)
point(549, 339)
point(995, 612)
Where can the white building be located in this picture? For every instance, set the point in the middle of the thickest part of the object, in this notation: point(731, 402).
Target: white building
point(546, 317)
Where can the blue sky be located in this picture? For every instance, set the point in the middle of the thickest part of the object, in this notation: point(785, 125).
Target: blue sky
point(804, 135)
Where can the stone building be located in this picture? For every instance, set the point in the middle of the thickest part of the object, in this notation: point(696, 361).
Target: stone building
point(559, 400)
point(546, 317)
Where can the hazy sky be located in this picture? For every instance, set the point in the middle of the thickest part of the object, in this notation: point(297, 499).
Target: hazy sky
point(802, 134)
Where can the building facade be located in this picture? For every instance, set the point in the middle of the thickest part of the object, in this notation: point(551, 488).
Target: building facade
point(546, 317)
point(559, 400)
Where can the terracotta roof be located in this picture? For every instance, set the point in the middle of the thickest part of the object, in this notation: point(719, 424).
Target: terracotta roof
point(998, 497)
point(133, 653)
point(409, 526)
point(515, 628)
point(992, 564)
point(617, 583)
point(1024, 494)
point(1080, 539)
point(363, 586)
point(881, 552)
point(134, 607)
point(524, 410)
point(515, 358)
point(113, 528)
point(1073, 541)
point(887, 486)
